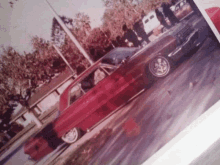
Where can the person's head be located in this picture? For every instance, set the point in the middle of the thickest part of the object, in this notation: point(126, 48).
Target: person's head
point(142, 13)
point(124, 28)
point(163, 5)
point(173, 2)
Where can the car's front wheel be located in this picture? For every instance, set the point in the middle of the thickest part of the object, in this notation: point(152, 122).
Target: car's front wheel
point(72, 135)
point(160, 66)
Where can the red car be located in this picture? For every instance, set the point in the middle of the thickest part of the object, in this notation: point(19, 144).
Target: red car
point(110, 83)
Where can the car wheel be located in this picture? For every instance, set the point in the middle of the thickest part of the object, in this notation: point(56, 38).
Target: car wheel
point(159, 66)
point(72, 135)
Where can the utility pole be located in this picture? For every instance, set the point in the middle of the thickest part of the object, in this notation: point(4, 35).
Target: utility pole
point(70, 34)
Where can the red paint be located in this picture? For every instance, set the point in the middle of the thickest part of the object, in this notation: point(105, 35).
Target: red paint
point(97, 103)
point(37, 148)
point(131, 128)
point(214, 14)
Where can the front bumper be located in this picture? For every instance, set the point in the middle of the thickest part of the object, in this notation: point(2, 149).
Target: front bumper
point(190, 43)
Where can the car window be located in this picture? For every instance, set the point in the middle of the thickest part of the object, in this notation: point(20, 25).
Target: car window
point(117, 55)
point(146, 21)
point(108, 68)
point(98, 76)
point(93, 79)
point(75, 93)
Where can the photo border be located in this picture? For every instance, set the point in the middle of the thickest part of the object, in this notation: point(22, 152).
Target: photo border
point(208, 19)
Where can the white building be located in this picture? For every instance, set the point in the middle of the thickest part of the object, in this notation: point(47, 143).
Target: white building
point(45, 100)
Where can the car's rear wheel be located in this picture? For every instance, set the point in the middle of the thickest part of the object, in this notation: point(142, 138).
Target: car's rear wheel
point(72, 135)
point(160, 66)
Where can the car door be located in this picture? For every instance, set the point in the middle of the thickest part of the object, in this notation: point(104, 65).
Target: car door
point(110, 93)
point(82, 103)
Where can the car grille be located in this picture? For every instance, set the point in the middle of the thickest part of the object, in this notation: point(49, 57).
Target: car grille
point(183, 33)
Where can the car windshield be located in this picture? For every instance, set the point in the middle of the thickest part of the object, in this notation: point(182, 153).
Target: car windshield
point(116, 56)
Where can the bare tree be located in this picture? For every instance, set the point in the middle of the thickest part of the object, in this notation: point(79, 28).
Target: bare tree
point(57, 33)
point(82, 22)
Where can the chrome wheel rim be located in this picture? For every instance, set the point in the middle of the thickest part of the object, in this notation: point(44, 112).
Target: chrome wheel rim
point(71, 136)
point(159, 67)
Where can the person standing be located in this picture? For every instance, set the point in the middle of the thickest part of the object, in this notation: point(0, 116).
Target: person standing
point(143, 14)
point(130, 36)
point(139, 29)
point(169, 14)
point(161, 18)
point(120, 41)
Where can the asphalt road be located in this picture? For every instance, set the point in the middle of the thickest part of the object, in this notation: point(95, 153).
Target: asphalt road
point(161, 112)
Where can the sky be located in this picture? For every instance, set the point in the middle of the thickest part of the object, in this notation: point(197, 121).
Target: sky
point(29, 18)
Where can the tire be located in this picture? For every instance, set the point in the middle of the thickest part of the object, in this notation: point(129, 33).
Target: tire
point(72, 136)
point(160, 66)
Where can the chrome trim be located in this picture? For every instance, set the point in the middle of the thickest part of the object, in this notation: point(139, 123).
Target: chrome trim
point(179, 49)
